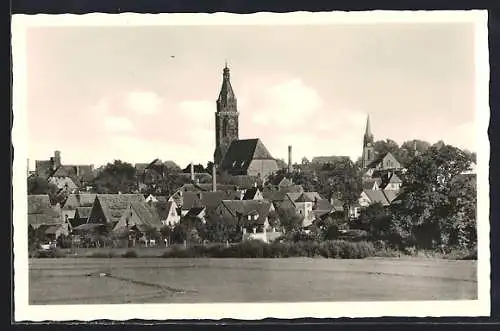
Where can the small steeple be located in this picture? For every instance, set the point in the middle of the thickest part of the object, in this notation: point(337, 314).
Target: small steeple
point(368, 130)
point(368, 137)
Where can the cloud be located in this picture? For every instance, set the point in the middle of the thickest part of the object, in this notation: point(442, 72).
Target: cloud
point(143, 102)
point(196, 110)
point(285, 104)
point(118, 124)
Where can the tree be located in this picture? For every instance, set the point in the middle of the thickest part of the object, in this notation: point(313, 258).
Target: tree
point(39, 185)
point(384, 146)
point(116, 177)
point(289, 219)
point(376, 220)
point(432, 200)
point(305, 161)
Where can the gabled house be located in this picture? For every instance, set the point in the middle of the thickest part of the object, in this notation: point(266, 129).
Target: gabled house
point(251, 215)
point(41, 212)
point(156, 198)
point(391, 182)
point(74, 201)
point(385, 161)
point(109, 208)
point(252, 194)
point(248, 157)
point(197, 213)
point(140, 217)
point(167, 211)
point(81, 216)
point(209, 200)
point(304, 206)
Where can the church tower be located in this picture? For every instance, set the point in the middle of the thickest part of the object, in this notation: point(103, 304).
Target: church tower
point(368, 149)
point(226, 118)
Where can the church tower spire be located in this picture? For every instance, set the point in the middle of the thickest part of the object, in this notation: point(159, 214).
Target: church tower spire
point(226, 117)
point(368, 149)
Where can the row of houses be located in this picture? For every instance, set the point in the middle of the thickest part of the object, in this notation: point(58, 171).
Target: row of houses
point(253, 209)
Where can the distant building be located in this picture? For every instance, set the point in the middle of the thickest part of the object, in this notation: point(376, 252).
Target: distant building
point(63, 176)
point(109, 208)
point(232, 155)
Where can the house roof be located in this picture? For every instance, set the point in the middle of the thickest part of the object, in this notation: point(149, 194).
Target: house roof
point(304, 198)
point(391, 195)
point(274, 195)
point(146, 214)
point(113, 205)
point(370, 182)
point(241, 153)
point(83, 212)
point(41, 212)
point(380, 158)
point(210, 200)
point(195, 211)
point(79, 200)
point(337, 204)
point(312, 196)
point(163, 208)
point(250, 193)
point(377, 196)
point(323, 205)
point(248, 207)
point(395, 179)
point(292, 189)
point(285, 182)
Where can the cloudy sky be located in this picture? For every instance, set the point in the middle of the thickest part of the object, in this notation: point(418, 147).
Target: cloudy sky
point(138, 93)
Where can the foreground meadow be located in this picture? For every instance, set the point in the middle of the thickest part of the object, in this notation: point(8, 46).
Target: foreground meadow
point(157, 280)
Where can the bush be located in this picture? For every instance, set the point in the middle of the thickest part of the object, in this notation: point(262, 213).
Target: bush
point(50, 253)
point(257, 249)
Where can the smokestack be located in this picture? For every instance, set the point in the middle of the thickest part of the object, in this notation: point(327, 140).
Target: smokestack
point(289, 158)
point(214, 180)
point(57, 159)
point(192, 171)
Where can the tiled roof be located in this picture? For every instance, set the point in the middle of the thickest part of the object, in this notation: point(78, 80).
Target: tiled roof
point(114, 205)
point(146, 214)
point(250, 193)
point(41, 212)
point(195, 211)
point(241, 153)
point(304, 198)
point(391, 195)
point(162, 208)
point(210, 200)
point(83, 212)
point(248, 207)
point(274, 195)
point(313, 196)
point(377, 196)
point(292, 189)
point(79, 200)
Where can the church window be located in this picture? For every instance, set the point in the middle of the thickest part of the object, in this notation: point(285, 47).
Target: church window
point(369, 156)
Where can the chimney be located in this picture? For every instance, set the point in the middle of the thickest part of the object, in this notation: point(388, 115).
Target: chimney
point(214, 179)
point(289, 158)
point(77, 171)
point(191, 166)
point(57, 159)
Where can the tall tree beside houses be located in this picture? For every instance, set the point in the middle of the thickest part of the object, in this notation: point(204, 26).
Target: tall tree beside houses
point(116, 177)
point(436, 203)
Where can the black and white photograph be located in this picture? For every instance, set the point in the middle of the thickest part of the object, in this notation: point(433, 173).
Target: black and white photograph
point(186, 166)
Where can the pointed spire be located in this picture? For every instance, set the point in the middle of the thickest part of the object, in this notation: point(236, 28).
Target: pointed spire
point(368, 130)
point(226, 94)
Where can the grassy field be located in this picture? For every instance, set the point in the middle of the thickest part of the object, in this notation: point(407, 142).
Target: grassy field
point(157, 280)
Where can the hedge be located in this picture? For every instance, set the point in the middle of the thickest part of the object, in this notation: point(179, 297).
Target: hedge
point(257, 249)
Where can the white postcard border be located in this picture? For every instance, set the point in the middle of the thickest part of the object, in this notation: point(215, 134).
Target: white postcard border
point(248, 311)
